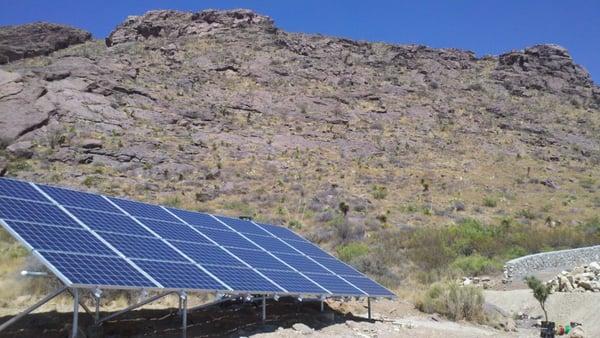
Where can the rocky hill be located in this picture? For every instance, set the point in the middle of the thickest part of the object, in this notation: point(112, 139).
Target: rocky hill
point(350, 142)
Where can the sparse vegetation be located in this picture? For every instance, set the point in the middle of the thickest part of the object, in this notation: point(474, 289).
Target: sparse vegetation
point(453, 301)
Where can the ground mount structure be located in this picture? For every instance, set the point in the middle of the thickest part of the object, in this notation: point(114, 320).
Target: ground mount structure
point(94, 242)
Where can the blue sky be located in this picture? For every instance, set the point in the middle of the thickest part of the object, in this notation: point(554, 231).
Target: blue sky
point(485, 27)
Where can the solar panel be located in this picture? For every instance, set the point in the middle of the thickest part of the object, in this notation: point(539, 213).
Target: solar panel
point(19, 210)
point(96, 241)
point(18, 189)
point(97, 270)
point(78, 199)
point(52, 238)
point(179, 275)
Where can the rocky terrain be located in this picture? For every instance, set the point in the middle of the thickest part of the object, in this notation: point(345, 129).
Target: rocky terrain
point(579, 279)
point(349, 142)
point(25, 41)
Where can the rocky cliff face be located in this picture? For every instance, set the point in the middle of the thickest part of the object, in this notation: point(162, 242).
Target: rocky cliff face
point(222, 111)
point(24, 41)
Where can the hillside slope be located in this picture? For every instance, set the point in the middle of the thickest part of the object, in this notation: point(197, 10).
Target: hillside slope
point(347, 141)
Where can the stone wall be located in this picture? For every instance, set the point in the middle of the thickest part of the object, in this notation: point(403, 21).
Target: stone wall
point(562, 259)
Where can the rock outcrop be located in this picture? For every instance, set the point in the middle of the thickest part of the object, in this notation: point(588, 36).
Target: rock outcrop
point(24, 41)
point(545, 67)
point(174, 24)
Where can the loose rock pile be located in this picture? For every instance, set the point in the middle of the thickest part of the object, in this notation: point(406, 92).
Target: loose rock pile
point(581, 279)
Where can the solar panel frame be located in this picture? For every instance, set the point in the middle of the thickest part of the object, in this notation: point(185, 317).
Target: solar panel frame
point(215, 223)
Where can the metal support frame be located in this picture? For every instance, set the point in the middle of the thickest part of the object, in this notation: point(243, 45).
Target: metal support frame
point(97, 312)
point(322, 305)
point(369, 306)
point(134, 306)
point(81, 303)
point(32, 308)
point(183, 300)
point(264, 308)
point(75, 293)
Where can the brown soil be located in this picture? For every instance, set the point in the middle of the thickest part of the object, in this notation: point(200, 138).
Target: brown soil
point(227, 319)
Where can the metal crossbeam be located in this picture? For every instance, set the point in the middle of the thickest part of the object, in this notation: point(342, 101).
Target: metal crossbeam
point(32, 308)
point(134, 306)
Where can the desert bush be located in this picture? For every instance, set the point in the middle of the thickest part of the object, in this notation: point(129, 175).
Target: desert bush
point(474, 247)
point(490, 202)
point(379, 192)
point(351, 251)
point(453, 301)
point(476, 265)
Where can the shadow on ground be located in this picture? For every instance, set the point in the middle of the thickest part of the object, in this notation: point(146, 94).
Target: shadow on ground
point(226, 319)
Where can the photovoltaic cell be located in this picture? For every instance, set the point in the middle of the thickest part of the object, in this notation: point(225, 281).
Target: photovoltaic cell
point(293, 281)
point(334, 284)
point(282, 232)
point(144, 210)
point(19, 210)
point(207, 254)
point(308, 248)
point(227, 238)
point(337, 267)
point(259, 259)
point(103, 221)
point(43, 237)
point(242, 279)
point(243, 226)
point(78, 199)
point(97, 270)
point(272, 244)
point(198, 219)
point(302, 263)
point(179, 275)
point(17, 189)
point(174, 231)
point(369, 286)
point(143, 247)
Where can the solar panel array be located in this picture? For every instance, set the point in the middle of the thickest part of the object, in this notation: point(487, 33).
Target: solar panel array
point(91, 240)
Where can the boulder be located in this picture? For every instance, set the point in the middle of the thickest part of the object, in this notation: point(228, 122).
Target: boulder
point(40, 38)
point(595, 267)
point(302, 328)
point(21, 149)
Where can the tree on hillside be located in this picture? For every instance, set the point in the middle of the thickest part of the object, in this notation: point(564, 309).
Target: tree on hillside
point(541, 292)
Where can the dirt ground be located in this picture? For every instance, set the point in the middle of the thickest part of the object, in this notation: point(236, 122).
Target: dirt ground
point(285, 317)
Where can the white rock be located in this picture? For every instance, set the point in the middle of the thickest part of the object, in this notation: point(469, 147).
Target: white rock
point(594, 266)
point(302, 328)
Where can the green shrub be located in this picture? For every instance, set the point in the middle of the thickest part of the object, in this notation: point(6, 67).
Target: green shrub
point(350, 251)
point(379, 192)
point(490, 202)
point(476, 265)
point(453, 301)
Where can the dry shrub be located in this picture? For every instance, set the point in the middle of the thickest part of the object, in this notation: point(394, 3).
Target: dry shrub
point(453, 301)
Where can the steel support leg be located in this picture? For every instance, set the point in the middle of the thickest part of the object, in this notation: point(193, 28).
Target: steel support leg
point(32, 308)
point(369, 306)
point(97, 314)
point(264, 308)
point(322, 305)
point(75, 313)
point(183, 298)
point(179, 307)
